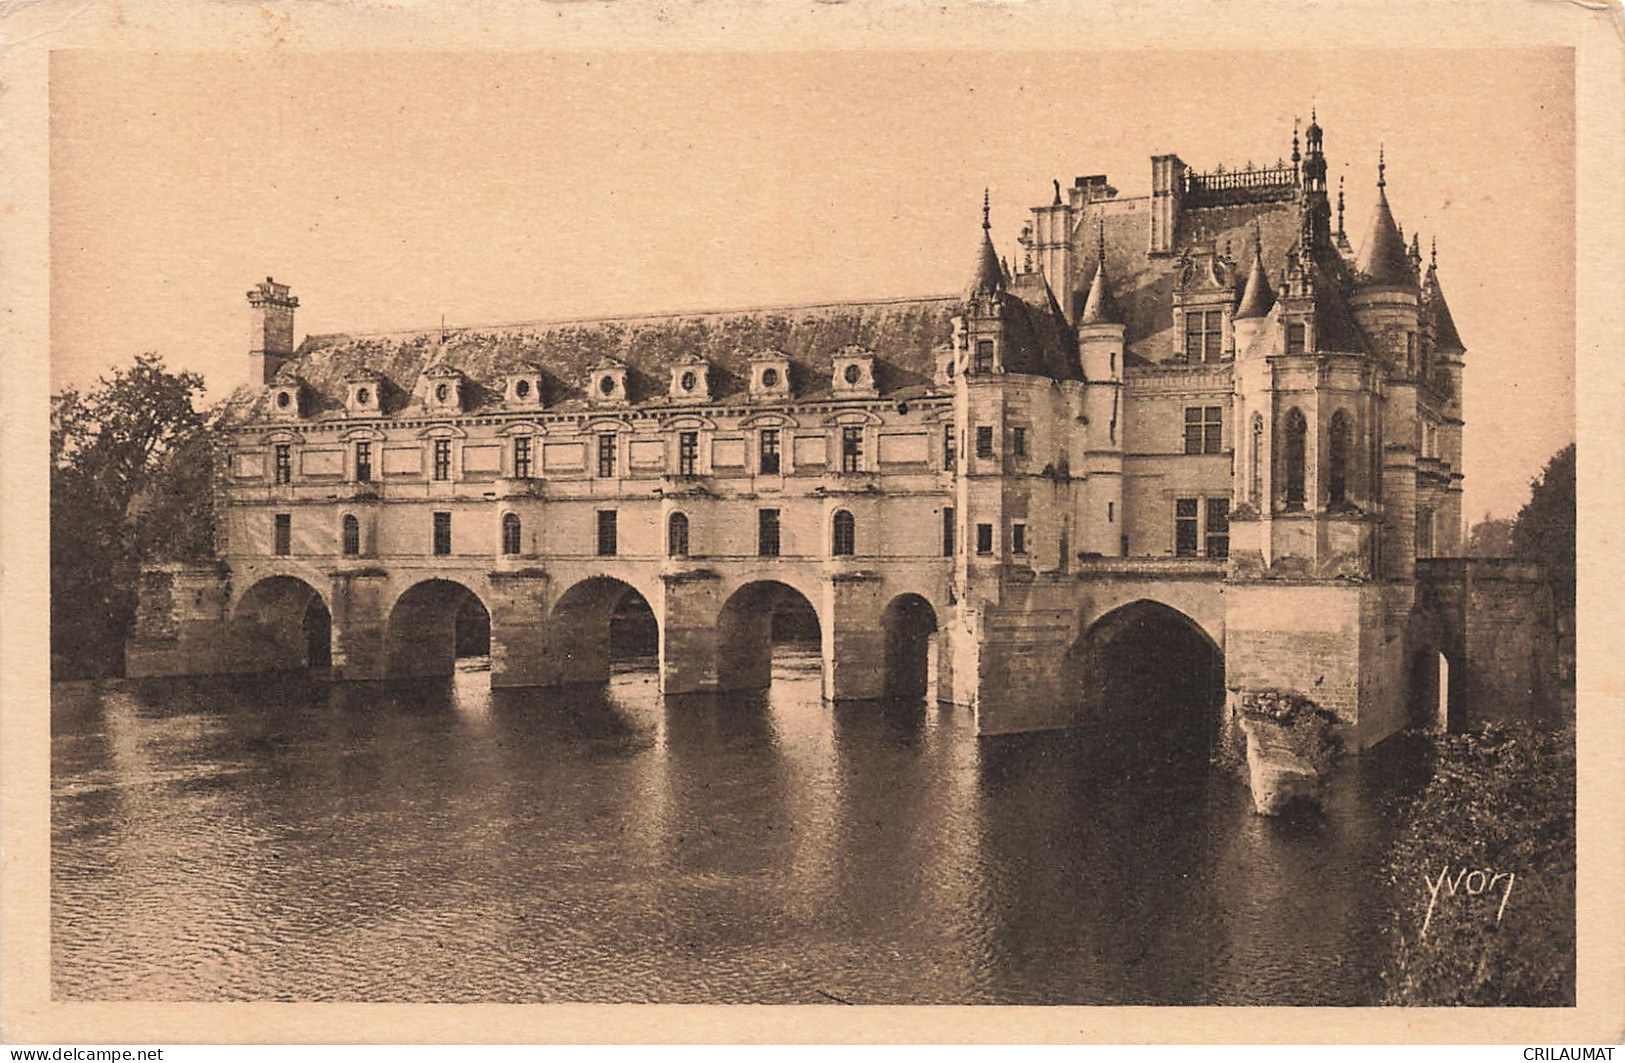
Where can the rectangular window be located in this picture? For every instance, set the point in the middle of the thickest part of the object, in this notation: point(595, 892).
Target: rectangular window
point(688, 453)
point(363, 462)
point(1111, 512)
point(948, 531)
point(1424, 533)
point(284, 463)
point(851, 449)
point(1018, 538)
point(984, 441)
point(351, 537)
point(984, 539)
point(768, 451)
point(1018, 442)
point(1295, 337)
point(984, 356)
point(1204, 335)
point(442, 534)
point(607, 533)
point(1217, 541)
point(606, 456)
point(284, 535)
point(1185, 518)
point(521, 458)
point(767, 533)
point(950, 448)
point(442, 459)
point(1204, 429)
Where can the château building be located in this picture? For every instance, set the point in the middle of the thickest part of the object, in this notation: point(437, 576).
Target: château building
point(1202, 411)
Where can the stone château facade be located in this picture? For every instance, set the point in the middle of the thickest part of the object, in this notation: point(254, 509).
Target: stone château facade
point(1201, 403)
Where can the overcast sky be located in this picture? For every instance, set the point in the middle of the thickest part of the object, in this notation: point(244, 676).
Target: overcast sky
point(391, 189)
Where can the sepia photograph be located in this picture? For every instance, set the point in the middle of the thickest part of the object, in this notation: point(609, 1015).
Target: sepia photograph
point(814, 527)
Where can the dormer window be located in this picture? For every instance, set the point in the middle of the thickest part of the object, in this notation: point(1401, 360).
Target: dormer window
point(1204, 335)
point(286, 393)
point(606, 384)
point(524, 387)
point(770, 376)
point(854, 372)
point(445, 388)
point(362, 392)
point(691, 381)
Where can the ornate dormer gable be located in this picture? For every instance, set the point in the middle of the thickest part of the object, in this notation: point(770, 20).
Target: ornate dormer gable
point(522, 387)
point(691, 379)
point(770, 376)
point(1205, 292)
point(854, 375)
point(606, 383)
point(947, 366)
point(361, 392)
point(443, 388)
point(287, 395)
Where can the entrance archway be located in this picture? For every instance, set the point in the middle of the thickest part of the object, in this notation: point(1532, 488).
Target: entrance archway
point(597, 624)
point(1153, 681)
point(757, 620)
point(432, 624)
point(911, 646)
point(1428, 700)
point(283, 624)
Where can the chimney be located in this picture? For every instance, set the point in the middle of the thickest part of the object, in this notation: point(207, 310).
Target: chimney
point(1167, 189)
point(271, 334)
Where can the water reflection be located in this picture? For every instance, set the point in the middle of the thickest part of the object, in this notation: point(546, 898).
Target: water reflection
point(284, 839)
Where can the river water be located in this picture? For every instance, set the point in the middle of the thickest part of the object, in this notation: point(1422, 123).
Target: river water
point(289, 840)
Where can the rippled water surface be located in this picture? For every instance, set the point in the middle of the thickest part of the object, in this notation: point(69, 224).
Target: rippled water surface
point(290, 840)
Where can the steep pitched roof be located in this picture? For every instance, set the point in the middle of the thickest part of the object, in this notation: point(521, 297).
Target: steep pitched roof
point(1038, 339)
point(903, 333)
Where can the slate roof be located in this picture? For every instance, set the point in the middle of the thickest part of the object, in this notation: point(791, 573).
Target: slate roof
point(903, 334)
point(1445, 336)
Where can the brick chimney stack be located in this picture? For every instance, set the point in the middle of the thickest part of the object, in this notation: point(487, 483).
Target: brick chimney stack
point(271, 334)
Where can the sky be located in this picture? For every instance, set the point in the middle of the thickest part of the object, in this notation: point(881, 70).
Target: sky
point(393, 189)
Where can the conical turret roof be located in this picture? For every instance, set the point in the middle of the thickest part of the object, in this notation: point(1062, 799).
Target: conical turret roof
point(1099, 308)
point(1383, 258)
point(1445, 336)
point(988, 276)
point(1259, 296)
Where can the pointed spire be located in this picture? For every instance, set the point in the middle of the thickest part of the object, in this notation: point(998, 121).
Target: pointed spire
point(988, 276)
point(1100, 308)
point(1445, 336)
point(1258, 297)
point(1382, 166)
point(1340, 206)
point(1296, 157)
point(1383, 258)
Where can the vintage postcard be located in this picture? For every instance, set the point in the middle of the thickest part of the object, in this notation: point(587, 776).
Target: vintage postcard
point(841, 507)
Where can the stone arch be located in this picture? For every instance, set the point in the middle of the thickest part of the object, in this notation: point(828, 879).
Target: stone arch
point(1147, 668)
point(430, 625)
point(843, 534)
point(752, 619)
point(283, 623)
point(910, 625)
point(596, 621)
point(1434, 675)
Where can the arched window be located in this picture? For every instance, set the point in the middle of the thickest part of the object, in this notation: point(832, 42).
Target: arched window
point(1255, 463)
point(845, 540)
point(352, 536)
point(677, 535)
point(1337, 460)
point(1297, 431)
point(511, 536)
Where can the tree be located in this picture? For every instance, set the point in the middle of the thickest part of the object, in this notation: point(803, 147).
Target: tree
point(130, 482)
point(1490, 537)
point(1544, 530)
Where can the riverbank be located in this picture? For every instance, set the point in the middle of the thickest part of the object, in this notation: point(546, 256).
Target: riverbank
point(1482, 874)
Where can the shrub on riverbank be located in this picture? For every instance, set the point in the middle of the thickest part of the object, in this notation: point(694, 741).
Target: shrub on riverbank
point(1485, 862)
